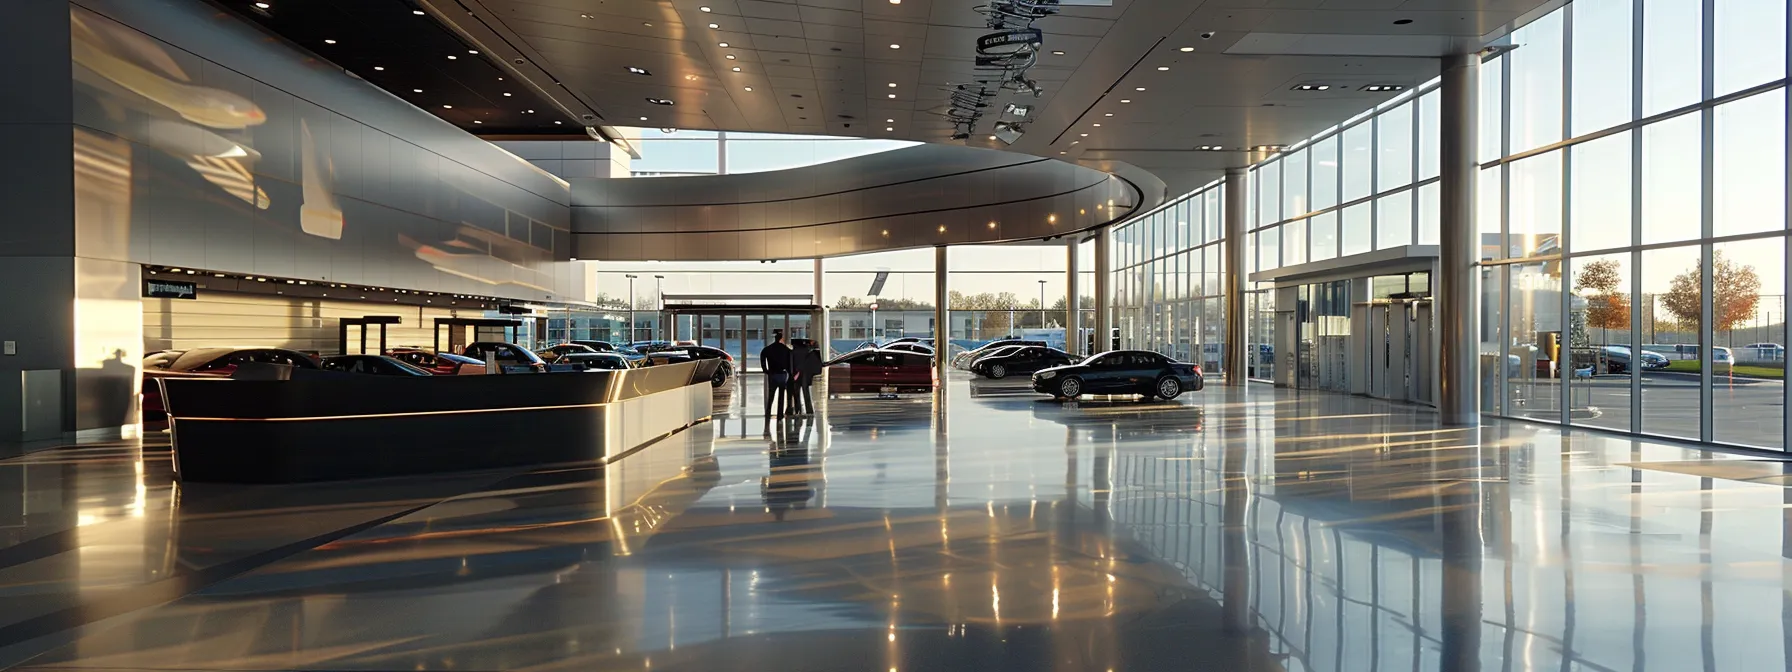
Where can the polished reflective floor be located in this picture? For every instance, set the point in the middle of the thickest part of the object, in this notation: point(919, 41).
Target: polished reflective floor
point(1226, 530)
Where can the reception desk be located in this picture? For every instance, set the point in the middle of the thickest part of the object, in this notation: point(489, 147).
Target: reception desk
point(322, 426)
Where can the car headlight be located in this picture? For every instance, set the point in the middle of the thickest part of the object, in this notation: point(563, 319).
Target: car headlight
point(1047, 375)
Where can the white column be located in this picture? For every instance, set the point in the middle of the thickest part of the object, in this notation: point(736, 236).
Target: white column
point(1457, 305)
point(1234, 247)
point(942, 332)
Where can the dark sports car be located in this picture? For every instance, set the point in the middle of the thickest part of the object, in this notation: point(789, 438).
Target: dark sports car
point(1121, 372)
point(1024, 359)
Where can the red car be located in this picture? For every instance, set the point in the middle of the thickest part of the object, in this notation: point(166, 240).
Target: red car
point(880, 372)
point(211, 362)
point(439, 363)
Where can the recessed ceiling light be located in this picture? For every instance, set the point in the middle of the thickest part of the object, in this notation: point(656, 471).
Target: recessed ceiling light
point(452, 57)
point(895, 46)
point(1098, 125)
point(329, 41)
point(1085, 135)
point(889, 121)
point(749, 88)
point(380, 68)
point(895, 2)
point(644, 23)
point(660, 101)
point(723, 45)
point(714, 26)
point(416, 90)
point(447, 107)
point(506, 94)
point(736, 68)
point(1062, 153)
point(1138, 88)
point(731, 57)
point(703, 9)
point(1163, 68)
point(992, 137)
point(1186, 49)
point(1125, 100)
point(476, 121)
point(418, 12)
point(263, 5)
point(586, 16)
point(528, 111)
point(474, 52)
point(890, 128)
point(1109, 114)
point(892, 95)
point(556, 122)
point(638, 71)
point(892, 85)
point(1057, 53)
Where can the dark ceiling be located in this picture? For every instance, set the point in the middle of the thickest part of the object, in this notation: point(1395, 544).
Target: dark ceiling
point(392, 45)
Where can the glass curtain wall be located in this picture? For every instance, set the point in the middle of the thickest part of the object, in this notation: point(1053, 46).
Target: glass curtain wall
point(1168, 279)
point(1633, 219)
point(670, 152)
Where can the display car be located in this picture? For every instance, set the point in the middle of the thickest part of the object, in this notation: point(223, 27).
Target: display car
point(964, 359)
point(553, 352)
point(375, 365)
point(645, 347)
point(208, 362)
point(723, 372)
point(596, 361)
point(1021, 359)
point(911, 346)
point(596, 346)
point(439, 363)
point(883, 372)
point(1121, 372)
point(1002, 351)
point(508, 355)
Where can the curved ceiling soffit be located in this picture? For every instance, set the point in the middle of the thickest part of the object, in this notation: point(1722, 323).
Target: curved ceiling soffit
point(920, 196)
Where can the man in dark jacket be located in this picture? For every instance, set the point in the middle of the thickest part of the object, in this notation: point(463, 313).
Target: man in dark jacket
point(806, 362)
point(774, 360)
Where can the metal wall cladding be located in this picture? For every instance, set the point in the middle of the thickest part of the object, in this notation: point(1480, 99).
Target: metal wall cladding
point(238, 154)
point(914, 197)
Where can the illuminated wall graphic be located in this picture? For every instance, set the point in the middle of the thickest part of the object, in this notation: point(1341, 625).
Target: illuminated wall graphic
point(291, 168)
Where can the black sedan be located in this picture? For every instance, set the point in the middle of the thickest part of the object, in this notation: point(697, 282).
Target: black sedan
point(372, 365)
point(1121, 372)
point(1024, 359)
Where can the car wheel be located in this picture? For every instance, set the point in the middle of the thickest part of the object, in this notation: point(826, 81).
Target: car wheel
point(1168, 387)
point(998, 371)
point(718, 380)
point(1070, 388)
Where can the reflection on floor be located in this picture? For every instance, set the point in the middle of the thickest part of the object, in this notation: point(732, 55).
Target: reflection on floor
point(1227, 530)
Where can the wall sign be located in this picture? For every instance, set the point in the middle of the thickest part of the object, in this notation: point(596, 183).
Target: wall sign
point(169, 289)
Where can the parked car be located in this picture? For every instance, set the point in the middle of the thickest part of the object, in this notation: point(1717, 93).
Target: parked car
point(1763, 351)
point(884, 372)
point(971, 362)
point(645, 347)
point(506, 354)
point(1121, 372)
point(596, 361)
point(911, 346)
point(1722, 360)
point(554, 352)
point(912, 339)
point(439, 363)
point(1021, 359)
point(373, 365)
point(596, 346)
point(1617, 359)
point(964, 359)
point(723, 372)
point(208, 362)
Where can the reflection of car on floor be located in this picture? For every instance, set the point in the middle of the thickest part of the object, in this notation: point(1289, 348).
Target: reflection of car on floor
point(372, 365)
point(1121, 372)
point(1022, 359)
point(507, 355)
point(208, 362)
point(439, 363)
point(596, 361)
point(880, 372)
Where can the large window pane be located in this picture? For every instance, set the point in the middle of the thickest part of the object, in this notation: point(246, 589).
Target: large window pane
point(1430, 210)
point(1671, 187)
point(1599, 337)
point(1534, 353)
point(1750, 165)
point(1671, 295)
point(1673, 54)
point(1487, 201)
point(1750, 309)
point(1602, 64)
point(1536, 206)
point(1749, 42)
point(1600, 209)
point(1269, 249)
point(1294, 243)
point(1393, 152)
point(1495, 360)
point(1269, 193)
point(1493, 74)
point(1429, 133)
point(1393, 220)
point(1357, 236)
point(1323, 230)
point(1358, 161)
point(1294, 184)
point(1536, 72)
point(1324, 157)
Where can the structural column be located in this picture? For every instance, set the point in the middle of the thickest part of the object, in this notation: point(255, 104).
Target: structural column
point(942, 332)
point(821, 330)
point(1236, 350)
point(1104, 319)
point(1458, 314)
point(1073, 314)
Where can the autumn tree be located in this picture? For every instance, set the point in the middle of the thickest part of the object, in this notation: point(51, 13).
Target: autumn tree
point(1735, 292)
point(1607, 306)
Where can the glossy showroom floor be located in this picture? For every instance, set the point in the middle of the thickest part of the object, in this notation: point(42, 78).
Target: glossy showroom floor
point(1219, 532)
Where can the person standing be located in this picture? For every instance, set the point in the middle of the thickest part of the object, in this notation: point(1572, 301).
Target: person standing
point(774, 360)
point(805, 363)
